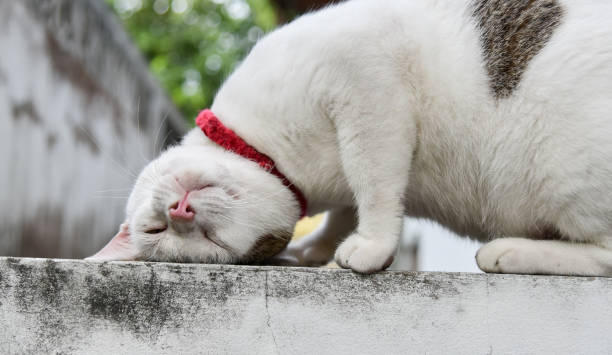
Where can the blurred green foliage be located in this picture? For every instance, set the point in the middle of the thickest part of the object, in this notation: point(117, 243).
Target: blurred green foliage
point(192, 45)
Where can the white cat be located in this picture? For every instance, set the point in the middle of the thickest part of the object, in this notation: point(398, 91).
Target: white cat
point(492, 117)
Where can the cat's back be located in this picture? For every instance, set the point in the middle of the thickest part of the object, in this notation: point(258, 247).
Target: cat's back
point(531, 134)
point(546, 144)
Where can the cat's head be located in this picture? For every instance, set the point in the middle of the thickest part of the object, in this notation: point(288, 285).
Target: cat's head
point(200, 203)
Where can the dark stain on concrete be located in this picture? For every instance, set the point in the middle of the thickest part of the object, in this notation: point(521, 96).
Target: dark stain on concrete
point(26, 109)
point(177, 269)
point(141, 306)
point(64, 300)
point(325, 286)
point(104, 270)
point(145, 302)
point(23, 274)
point(53, 281)
point(41, 290)
point(36, 286)
point(221, 287)
point(433, 287)
point(512, 34)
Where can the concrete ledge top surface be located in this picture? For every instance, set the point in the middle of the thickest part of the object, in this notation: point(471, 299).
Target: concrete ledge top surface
point(73, 306)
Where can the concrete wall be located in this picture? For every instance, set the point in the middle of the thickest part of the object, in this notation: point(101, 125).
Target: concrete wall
point(62, 306)
point(79, 116)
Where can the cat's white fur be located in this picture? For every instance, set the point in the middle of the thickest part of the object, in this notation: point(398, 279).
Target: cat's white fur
point(385, 106)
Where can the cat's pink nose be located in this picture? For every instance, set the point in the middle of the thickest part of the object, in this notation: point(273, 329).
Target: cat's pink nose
point(182, 209)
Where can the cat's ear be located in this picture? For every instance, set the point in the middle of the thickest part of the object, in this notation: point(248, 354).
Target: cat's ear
point(119, 248)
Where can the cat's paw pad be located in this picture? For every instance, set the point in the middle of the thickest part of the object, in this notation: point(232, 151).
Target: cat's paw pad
point(505, 255)
point(364, 255)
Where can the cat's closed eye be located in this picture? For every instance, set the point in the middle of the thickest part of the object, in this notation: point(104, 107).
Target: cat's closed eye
point(156, 230)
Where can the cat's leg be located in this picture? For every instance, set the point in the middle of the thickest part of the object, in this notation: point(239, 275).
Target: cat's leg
point(318, 247)
point(376, 144)
point(552, 257)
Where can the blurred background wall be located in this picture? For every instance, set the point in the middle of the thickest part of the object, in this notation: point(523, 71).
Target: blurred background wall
point(79, 116)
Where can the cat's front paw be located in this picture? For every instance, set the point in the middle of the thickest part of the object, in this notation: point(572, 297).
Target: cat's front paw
point(365, 255)
point(506, 255)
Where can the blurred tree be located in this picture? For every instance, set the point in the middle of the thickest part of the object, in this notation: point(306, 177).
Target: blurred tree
point(192, 45)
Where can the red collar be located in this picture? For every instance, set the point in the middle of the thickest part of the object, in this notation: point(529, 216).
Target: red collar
point(228, 139)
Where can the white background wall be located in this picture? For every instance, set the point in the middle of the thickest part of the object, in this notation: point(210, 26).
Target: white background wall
point(437, 249)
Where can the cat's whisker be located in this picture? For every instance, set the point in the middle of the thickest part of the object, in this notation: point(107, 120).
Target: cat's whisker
point(164, 141)
point(163, 122)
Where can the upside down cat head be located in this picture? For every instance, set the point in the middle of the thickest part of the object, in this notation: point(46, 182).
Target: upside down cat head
point(198, 202)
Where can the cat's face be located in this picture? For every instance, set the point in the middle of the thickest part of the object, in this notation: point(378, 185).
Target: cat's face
point(200, 203)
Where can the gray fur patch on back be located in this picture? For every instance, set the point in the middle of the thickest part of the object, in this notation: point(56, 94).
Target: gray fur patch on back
point(512, 33)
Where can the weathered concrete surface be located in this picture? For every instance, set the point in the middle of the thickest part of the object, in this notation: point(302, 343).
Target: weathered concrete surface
point(79, 116)
point(66, 306)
